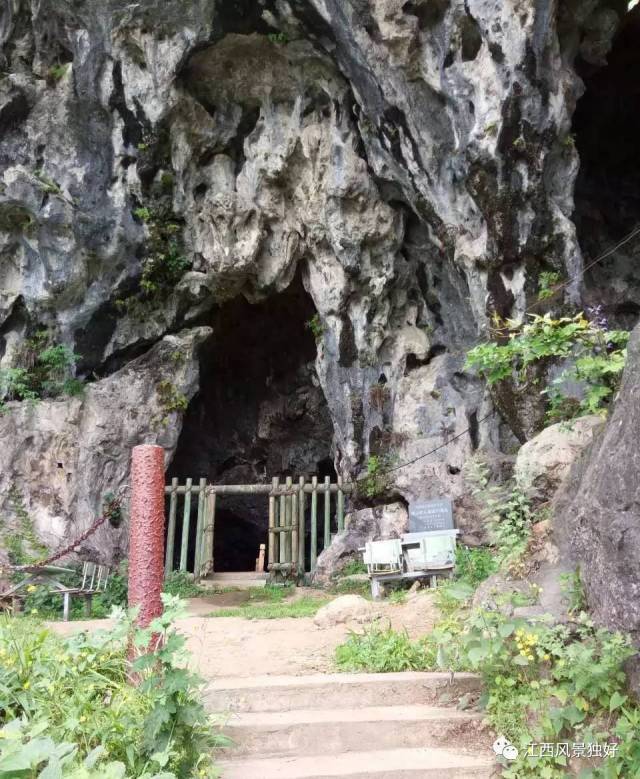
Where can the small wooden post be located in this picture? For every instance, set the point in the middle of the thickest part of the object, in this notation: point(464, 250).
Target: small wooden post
point(208, 534)
point(301, 527)
point(314, 523)
point(282, 521)
point(260, 560)
point(273, 536)
point(340, 506)
point(171, 530)
point(197, 563)
point(186, 521)
point(327, 512)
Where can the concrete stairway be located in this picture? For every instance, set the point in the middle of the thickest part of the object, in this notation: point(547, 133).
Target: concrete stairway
point(241, 580)
point(382, 726)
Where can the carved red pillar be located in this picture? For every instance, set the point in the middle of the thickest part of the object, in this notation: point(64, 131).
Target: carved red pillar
point(146, 531)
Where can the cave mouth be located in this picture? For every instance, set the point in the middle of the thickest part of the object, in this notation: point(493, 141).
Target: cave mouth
point(260, 412)
point(606, 129)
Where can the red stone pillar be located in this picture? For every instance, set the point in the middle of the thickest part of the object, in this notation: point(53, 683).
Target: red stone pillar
point(146, 531)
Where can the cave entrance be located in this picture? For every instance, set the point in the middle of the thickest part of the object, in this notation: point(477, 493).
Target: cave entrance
point(606, 129)
point(260, 412)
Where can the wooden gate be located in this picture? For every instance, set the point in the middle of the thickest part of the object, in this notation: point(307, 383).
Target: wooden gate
point(303, 514)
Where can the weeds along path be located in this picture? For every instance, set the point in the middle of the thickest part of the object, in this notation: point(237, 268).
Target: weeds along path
point(235, 646)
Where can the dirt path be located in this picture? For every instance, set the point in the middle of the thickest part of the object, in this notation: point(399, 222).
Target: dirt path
point(234, 646)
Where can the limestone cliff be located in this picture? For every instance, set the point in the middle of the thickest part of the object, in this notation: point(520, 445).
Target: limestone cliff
point(382, 175)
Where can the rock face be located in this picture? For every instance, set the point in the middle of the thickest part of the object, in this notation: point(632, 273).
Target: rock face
point(410, 164)
point(373, 524)
point(544, 461)
point(69, 453)
point(598, 517)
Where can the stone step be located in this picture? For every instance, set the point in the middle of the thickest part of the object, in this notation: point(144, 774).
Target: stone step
point(379, 764)
point(334, 691)
point(240, 580)
point(333, 731)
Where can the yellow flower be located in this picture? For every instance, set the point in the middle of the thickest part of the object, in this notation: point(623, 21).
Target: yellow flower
point(83, 718)
point(26, 685)
point(31, 588)
point(546, 657)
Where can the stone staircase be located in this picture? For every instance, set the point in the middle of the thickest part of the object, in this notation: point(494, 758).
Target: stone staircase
point(379, 726)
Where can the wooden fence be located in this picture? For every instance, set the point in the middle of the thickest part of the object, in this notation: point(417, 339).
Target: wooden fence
point(303, 513)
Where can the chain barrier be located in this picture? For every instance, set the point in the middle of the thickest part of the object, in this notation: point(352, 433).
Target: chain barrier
point(112, 514)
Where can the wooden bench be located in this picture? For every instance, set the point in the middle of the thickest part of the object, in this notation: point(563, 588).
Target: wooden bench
point(94, 581)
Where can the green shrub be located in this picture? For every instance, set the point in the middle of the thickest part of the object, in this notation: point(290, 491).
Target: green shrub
point(315, 326)
point(182, 584)
point(545, 685)
point(354, 567)
point(44, 370)
point(507, 511)
point(474, 565)
point(68, 708)
point(382, 650)
point(377, 480)
point(596, 355)
point(165, 261)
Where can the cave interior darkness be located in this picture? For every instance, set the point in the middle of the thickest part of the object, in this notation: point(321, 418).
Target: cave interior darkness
point(259, 413)
point(606, 129)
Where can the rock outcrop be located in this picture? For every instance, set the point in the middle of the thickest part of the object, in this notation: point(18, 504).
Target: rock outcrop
point(373, 524)
point(544, 462)
point(59, 458)
point(598, 517)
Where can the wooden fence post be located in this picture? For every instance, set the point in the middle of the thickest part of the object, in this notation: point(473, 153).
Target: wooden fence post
point(301, 527)
point(171, 529)
point(327, 512)
point(340, 506)
point(197, 562)
point(186, 521)
point(208, 533)
point(273, 536)
point(314, 524)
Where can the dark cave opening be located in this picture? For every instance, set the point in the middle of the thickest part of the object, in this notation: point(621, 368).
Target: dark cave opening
point(606, 129)
point(260, 413)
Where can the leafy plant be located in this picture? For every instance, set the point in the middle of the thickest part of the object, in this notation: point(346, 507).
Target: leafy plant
point(278, 37)
point(547, 282)
point(25, 533)
point(354, 567)
point(596, 356)
point(56, 72)
point(68, 708)
point(507, 512)
point(381, 650)
point(165, 260)
point(45, 370)
point(572, 588)
point(171, 400)
point(544, 684)
point(377, 480)
point(315, 326)
point(474, 565)
point(182, 584)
